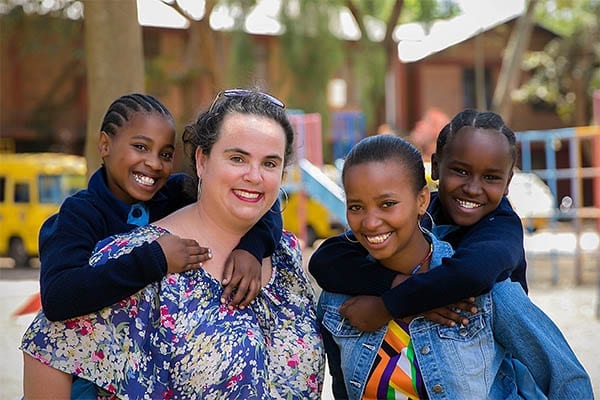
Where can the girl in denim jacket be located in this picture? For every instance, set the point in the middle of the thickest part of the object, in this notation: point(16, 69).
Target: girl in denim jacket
point(415, 357)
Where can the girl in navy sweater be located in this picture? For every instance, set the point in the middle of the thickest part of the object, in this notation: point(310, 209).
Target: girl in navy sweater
point(133, 187)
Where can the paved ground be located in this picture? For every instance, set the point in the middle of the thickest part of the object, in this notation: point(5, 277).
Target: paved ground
point(572, 308)
point(574, 311)
point(12, 295)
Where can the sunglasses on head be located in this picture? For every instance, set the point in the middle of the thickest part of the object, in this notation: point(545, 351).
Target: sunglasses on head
point(242, 93)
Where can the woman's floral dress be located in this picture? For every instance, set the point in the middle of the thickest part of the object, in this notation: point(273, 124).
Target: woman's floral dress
point(175, 340)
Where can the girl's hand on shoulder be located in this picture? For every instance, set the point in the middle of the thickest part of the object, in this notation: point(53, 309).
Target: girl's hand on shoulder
point(366, 313)
point(183, 254)
point(450, 315)
point(241, 279)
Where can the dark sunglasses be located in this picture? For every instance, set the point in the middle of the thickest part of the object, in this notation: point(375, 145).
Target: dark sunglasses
point(243, 93)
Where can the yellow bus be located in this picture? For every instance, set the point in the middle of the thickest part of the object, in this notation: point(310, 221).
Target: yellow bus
point(32, 187)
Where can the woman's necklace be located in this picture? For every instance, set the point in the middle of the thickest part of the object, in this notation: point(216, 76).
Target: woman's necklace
point(424, 260)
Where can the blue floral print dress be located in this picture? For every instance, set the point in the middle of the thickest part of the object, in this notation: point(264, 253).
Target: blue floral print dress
point(175, 340)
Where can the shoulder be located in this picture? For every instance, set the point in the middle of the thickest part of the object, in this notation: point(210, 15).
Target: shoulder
point(82, 206)
point(504, 209)
point(123, 243)
point(177, 191)
point(287, 260)
point(97, 195)
point(501, 229)
point(141, 234)
point(288, 239)
point(178, 182)
point(289, 246)
point(441, 249)
point(179, 179)
point(503, 218)
point(80, 218)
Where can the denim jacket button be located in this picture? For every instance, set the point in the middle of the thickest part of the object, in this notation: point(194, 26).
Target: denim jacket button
point(437, 388)
point(425, 350)
point(462, 332)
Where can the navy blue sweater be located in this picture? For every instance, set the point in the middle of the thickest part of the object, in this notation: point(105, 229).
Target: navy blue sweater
point(69, 287)
point(487, 252)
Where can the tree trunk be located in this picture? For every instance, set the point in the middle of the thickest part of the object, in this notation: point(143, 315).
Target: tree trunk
point(582, 75)
point(202, 72)
point(511, 62)
point(480, 89)
point(389, 103)
point(114, 61)
point(385, 106)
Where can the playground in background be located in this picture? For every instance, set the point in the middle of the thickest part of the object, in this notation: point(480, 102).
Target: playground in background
point(315, 208)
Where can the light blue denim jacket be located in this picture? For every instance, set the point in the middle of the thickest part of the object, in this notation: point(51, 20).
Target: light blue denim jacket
point(463, 362)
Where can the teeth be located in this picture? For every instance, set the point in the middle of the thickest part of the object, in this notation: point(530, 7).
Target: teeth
point(144, 180)
point(246, 195)
point(468, 204)
point(378, 239)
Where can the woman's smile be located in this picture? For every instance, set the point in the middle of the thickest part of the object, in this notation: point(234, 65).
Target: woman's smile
point(250, 196)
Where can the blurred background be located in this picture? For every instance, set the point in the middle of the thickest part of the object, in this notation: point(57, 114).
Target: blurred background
point(346, 69)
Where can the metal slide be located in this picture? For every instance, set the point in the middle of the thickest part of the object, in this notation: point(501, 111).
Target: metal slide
point(323, 189)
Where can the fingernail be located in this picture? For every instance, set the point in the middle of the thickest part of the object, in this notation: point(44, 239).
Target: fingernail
point(209, 253)
point(223, 300)
point(200, 265)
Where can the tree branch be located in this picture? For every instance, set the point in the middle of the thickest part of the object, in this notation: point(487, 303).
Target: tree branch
point(209, 5)
point(393, 20)
point(511, 61)
point(358, 17)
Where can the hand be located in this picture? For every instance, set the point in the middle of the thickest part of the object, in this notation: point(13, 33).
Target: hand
point(367, 313)
point(183, 254)
point(449, 316)
point(243, 275)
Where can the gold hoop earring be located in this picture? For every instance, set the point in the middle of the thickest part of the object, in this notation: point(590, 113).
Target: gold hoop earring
point(285, 203)
point(419, 222)
point(348, 237)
